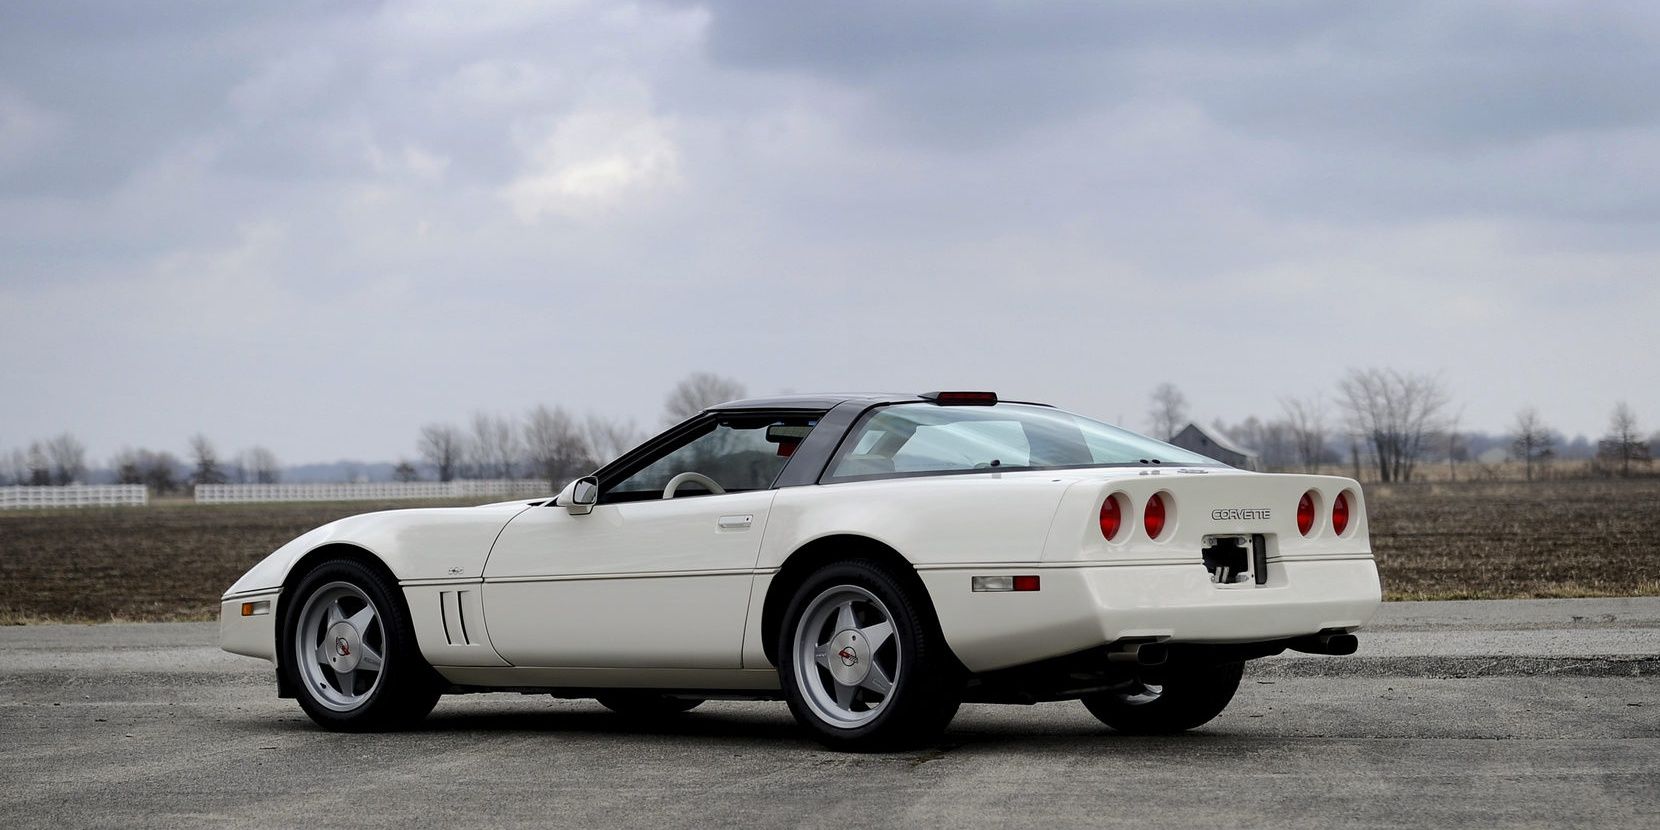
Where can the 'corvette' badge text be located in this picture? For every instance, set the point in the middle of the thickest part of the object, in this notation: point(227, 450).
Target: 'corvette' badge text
point(1241, 514)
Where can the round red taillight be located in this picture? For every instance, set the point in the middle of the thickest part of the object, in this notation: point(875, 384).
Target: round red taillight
point(1112, 517)
point(1153, 518)
point(1340, 513)
point(1305, 513)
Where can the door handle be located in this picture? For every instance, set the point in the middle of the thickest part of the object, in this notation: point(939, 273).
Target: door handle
point(736, 522)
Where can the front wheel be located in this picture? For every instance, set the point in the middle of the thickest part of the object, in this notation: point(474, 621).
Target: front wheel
point(349, 652)
point(862, 661)
point(1166, 701)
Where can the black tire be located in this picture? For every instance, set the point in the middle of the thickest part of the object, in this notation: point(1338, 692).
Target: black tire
point(406, 688)
point(1175, 699)
point(641, 704)
point(927, 681)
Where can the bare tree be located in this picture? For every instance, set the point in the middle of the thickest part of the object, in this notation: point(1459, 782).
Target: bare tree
point(260, 464)
point(697, 392)
point(206, 460)
point(405, 472)
point(67, 457)
point(158, 471)
point(1531, 440)
point(40, 469)
point(1306, 419)
point(1624, 443)
point(495, 445)
point(13, 468)
point(556, 445)
point(609, 439)
point(1168, 412)
point(1458, 447)
point(127, 471)
point(1392, 413)
point(1270, 440)
point(1276, 450)
point(443, 446)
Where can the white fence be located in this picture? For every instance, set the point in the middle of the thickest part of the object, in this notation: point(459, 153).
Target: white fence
point(375, 491)
point(74, 495)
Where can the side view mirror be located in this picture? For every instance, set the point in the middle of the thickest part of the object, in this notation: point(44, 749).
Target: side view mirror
point(584, 494)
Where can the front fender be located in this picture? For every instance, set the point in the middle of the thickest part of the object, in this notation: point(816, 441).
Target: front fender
point(421, 543)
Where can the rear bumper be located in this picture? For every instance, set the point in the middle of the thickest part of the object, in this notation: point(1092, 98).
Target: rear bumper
point(1083, 607)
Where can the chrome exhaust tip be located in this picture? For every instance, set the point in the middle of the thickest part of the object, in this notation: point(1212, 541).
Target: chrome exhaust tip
point(1142, 654)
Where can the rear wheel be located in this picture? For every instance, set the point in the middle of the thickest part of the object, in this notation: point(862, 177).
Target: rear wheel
point(1173, 699)
point(349, 652)
point(862, 661)
point(646, 704)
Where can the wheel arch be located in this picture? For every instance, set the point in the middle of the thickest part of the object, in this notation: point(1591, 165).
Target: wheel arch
point(823, 551)
point(318, 556)
point(335, 551)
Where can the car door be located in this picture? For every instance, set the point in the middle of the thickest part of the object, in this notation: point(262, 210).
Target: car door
point(649, 578)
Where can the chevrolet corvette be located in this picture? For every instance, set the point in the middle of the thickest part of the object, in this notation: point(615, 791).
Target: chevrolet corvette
point(872, 560)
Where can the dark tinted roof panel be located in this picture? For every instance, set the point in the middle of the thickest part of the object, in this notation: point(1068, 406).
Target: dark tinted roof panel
point(821, 401)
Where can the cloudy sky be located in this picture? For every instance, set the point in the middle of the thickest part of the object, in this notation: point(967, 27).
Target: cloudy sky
point(317, 225)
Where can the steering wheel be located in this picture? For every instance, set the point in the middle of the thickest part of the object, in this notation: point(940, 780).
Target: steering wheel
point(699, 478)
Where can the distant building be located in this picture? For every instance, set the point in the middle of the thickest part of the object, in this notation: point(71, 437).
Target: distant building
point(1202, 441)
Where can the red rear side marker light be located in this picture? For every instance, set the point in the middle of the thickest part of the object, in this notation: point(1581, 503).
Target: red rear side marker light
point(1153, 518)
point(1340, 513)
point(1305, 513)
point(1026, 583)
point(1112, 517)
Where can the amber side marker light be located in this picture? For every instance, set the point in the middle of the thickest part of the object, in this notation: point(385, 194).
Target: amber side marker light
point(1024, 582)
point(254, 609)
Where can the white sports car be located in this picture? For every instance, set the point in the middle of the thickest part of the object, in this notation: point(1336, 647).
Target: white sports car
point(875, 560)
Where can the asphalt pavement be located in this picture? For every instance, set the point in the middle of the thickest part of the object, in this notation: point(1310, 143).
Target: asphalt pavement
point(1527, 713)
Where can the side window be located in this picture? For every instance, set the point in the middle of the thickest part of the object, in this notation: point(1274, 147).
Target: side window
point(964, 446)
point(920, 438)
point(867, 442)
point(739, 453)
point(1103, 450)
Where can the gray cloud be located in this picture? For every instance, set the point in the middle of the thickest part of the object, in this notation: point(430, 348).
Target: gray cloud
point(316, 226)
point(1415, 73)
point(1352, 108)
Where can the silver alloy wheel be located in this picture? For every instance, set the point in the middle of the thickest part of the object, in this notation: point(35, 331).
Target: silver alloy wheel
point(339, 644)
point(846, 657)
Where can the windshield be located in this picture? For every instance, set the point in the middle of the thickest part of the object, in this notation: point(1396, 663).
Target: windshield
point(921, 438)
